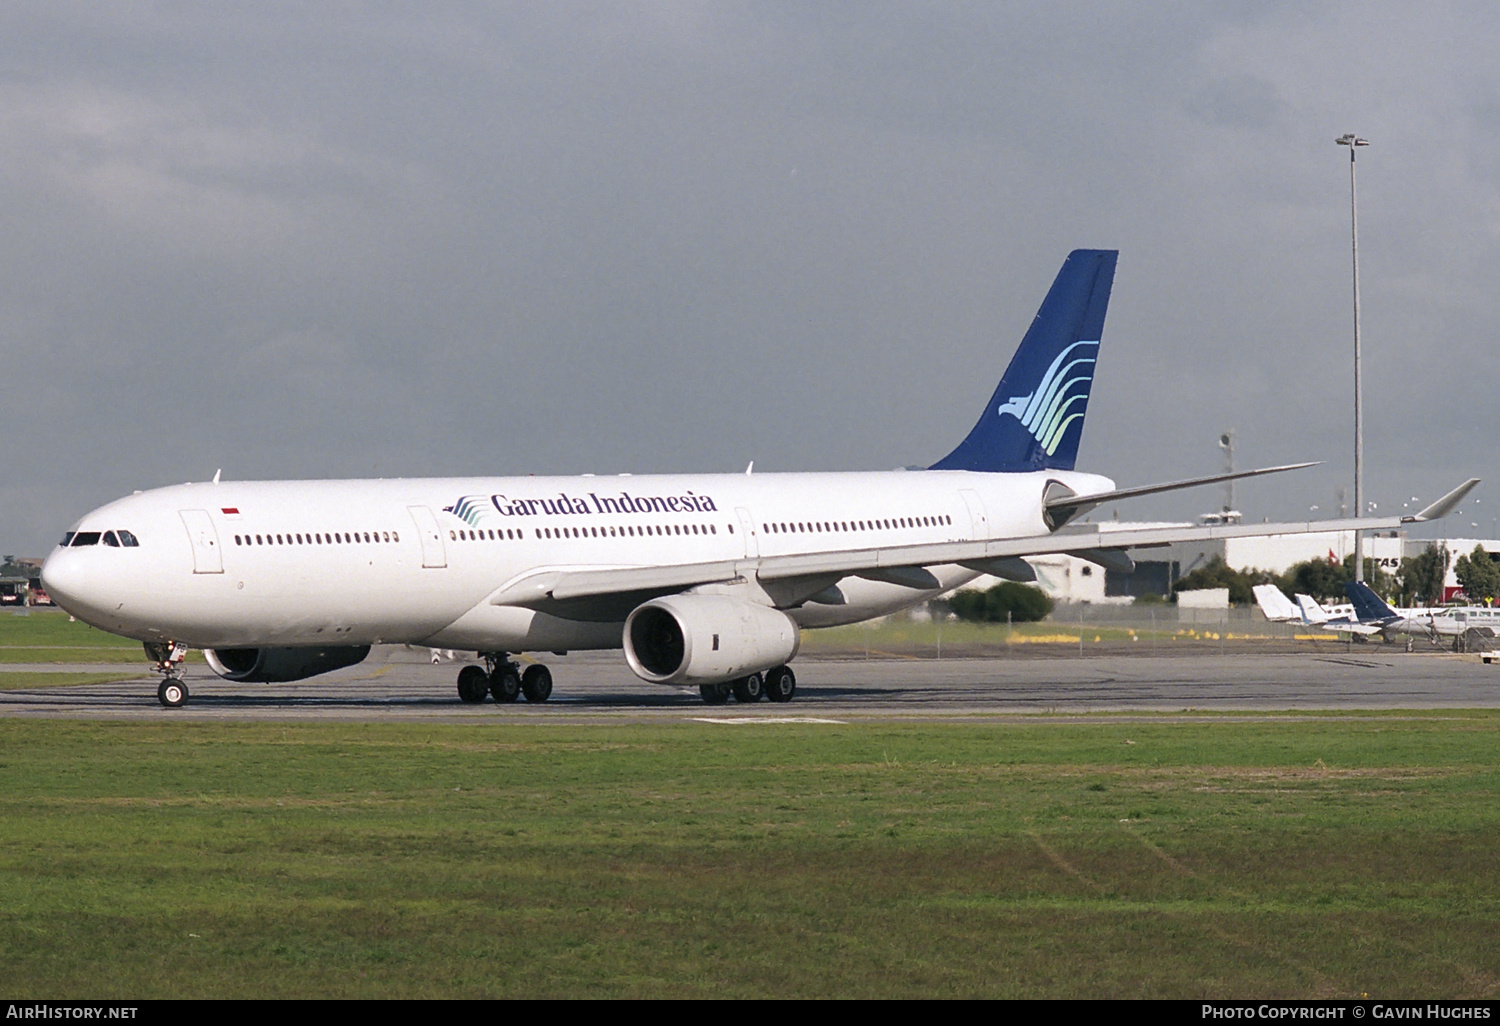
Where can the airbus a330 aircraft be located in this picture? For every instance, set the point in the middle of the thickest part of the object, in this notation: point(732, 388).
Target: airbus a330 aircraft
point(703, 580)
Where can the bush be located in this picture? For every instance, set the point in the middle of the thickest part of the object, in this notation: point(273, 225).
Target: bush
point(1020, 603)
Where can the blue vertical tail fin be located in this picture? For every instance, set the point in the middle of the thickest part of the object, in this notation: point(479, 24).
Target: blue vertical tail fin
point(1368, 606)
point(1035, 418)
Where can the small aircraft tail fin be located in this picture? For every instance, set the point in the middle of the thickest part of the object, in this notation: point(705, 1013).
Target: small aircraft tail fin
point(1274, 604)
point(1368, 606)
point(1311, 611)
point(1035, 418)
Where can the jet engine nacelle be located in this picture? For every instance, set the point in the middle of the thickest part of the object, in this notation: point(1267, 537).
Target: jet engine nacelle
point(703, 639)
point(280, 665)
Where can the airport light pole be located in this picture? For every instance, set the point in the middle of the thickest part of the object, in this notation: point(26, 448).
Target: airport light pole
point(1353, 142)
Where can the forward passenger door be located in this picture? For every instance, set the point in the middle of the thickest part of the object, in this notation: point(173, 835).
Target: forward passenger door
point(433, 552)
point(207, 559)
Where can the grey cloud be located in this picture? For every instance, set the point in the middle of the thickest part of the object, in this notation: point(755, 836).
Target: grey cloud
point(1242, 101)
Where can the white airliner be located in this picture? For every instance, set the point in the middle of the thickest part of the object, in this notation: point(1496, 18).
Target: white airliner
point(703, 580)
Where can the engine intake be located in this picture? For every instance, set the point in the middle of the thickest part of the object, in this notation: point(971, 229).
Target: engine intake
point(703, 639)
point(281, 665)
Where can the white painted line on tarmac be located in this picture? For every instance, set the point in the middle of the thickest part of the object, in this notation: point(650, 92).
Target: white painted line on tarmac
point(764, 719)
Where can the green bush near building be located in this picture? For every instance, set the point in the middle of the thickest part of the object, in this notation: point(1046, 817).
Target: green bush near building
point(1005, 602)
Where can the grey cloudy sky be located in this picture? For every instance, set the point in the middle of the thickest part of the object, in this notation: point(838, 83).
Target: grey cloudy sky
point(363, 239)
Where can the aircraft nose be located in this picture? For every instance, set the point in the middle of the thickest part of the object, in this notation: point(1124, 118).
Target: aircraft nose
point(66, 580)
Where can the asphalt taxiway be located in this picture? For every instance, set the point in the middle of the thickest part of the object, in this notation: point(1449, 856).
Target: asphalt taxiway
point(598, 687)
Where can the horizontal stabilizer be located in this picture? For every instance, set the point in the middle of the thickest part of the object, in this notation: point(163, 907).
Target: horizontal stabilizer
point(1077, 504)
point(1447, 504)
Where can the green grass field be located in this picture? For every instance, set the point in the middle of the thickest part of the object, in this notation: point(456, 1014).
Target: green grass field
point(1302, 855)
point(51, 628)
point(49, 636)
point(26, 679)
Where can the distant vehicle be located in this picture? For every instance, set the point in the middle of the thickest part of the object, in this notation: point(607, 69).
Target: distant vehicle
point(13, 591)
point(36, 595)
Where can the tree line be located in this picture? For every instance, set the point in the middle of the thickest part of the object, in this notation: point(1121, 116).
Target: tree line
point(1417, 581)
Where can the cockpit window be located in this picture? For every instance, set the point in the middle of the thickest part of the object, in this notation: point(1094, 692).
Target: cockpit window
point(67, 540)
point(83, 538)
point(128, 540)
point(110, 540)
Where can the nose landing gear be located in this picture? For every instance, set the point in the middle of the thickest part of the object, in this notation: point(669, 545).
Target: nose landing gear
point(172, 693)
point(168, 656)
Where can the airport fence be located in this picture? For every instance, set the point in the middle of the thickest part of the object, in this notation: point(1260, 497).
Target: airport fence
point(1077, 629)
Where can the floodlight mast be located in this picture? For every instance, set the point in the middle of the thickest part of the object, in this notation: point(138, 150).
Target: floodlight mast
point(1353, 141)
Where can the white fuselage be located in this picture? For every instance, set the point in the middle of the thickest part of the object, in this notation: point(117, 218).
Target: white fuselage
point(1449, 621)
point(299, 563)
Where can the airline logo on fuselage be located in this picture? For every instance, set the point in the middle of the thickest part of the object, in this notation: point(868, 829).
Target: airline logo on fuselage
point(1048, 411)
point(471, 509)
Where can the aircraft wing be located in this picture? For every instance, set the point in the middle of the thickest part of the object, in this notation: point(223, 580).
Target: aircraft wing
point(792, 579)
point(1346, 627)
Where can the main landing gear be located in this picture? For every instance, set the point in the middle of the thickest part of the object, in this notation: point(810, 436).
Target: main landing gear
point(168, 656)
point(503, 679)
point(779, 685)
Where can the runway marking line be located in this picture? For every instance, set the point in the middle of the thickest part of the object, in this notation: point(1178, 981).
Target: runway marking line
point(733, 720)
